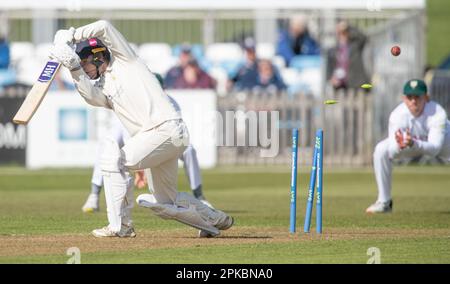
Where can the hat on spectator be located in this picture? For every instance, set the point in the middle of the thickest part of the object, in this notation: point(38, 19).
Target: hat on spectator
point(186, 48)
point(249, 44)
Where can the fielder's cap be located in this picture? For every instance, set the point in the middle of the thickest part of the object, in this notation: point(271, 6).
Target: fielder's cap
point(415, 87)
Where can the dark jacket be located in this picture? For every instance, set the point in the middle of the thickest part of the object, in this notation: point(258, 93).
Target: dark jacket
point(275, 81)
point(286, 43)
point(356, 74)
point(172, 75)
point(246, 77)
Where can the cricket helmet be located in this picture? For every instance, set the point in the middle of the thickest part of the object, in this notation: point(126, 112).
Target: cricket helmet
point(92, 46)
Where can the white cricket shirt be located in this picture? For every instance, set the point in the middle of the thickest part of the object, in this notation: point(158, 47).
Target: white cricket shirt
point(128, 86)
point(428, 131)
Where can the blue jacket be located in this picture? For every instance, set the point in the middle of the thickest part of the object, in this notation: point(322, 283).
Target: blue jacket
point(4, 54)
point(172, 75)
point(285, 46)
point(275, 81)
point(246, 77)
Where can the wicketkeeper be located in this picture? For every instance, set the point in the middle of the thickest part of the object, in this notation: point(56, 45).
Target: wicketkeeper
point(417, 127)
point(158, 134)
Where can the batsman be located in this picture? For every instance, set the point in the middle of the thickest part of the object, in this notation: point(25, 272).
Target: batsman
point(159, 136)
point(417, 127)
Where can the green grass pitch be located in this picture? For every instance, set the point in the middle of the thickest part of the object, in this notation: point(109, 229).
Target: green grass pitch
point(41, 218)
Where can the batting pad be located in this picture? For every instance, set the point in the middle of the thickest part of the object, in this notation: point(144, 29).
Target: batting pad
point(186, 215)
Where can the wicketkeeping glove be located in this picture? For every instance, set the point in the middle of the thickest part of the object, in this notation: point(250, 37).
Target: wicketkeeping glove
point(64, 36)
point(66, 56)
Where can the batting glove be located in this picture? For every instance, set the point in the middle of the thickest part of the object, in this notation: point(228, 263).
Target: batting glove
point(66, 56)
point(64, 36)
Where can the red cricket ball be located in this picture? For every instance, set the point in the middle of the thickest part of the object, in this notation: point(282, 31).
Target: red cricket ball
point(395, 50)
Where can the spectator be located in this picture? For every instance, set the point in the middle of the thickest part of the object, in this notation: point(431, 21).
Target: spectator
point(247, 75)
point(296, 40)
point(345, 68)
point(4, 53)
point(194, 78)
point(256, 73)
point(177, 71)
point(268, 78)
point(7, 76)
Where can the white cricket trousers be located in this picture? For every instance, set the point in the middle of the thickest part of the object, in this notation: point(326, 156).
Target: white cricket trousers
point(382, 164)
point(157, 151)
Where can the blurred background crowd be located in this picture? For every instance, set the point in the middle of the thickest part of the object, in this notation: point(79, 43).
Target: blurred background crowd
point(291, 63)
point(303, 52)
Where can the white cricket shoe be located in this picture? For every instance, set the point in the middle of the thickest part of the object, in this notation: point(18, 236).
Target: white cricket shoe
point(92, 204)
point(105, 232)
point(225, 225)
point(380, 207)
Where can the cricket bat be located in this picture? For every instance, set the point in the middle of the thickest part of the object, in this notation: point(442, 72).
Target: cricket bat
point(37, 93)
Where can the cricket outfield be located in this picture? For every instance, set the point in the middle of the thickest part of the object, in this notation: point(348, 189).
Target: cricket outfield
point(41, 218)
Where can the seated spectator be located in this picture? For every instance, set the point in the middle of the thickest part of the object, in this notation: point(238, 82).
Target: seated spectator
point(345, 68)
point(247, 75)
point(177, 71)
point(194, 78)
point(296, 40)
point(7, 76)
point(254, 72)
point(268, 78)
point(4, 53)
